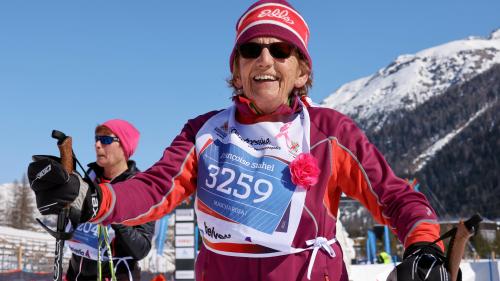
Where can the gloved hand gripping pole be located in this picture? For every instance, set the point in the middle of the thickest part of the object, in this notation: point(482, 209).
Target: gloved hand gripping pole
point(64, 144)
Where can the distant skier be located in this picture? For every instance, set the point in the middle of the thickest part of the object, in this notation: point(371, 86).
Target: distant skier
point(115, 141)
point(383, 257)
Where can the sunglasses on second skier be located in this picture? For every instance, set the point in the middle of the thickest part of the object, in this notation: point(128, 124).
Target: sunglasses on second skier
point(278, 50)
point(106, 139)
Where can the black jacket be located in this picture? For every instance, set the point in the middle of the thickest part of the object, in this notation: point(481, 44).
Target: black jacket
point(129, 241)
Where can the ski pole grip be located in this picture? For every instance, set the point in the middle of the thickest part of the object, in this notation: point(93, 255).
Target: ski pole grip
point(472, 224)
point(456, 248)
point(65, 145)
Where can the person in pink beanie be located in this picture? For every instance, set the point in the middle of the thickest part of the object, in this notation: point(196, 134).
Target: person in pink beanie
point(267, 172)
point(115, 142)
point(126, 133)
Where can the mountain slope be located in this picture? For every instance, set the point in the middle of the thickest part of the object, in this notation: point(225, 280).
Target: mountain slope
point(466, 171)
point(444, 130)
point(411, 80)
point(451, 143)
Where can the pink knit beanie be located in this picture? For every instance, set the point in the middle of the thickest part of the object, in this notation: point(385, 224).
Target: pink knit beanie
point(126, 132)
point(272, 18)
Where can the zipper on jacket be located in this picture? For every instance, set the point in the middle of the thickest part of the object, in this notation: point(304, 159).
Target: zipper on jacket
point(326, 277)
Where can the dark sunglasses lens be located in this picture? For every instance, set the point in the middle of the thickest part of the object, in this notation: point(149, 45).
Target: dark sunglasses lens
point(280, 50)
point(250, 50)
point(104, 139)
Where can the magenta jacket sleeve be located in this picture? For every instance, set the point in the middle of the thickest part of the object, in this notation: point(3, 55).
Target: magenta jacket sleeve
point(158, 190)
point(360, 171)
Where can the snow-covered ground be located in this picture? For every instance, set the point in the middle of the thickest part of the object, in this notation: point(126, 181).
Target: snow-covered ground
point(26, 250)
point(34, 251)
point(481, 270)
point(14, 234)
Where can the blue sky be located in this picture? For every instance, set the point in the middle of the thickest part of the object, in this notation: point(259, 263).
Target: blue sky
point(70, 65)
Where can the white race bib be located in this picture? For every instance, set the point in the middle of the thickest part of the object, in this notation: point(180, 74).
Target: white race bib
point(246, 203)
point(84, 242)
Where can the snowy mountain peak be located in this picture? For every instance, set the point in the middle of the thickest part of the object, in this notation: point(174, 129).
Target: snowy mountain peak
point(495, 34)
point(404, 59)
point(412, 79)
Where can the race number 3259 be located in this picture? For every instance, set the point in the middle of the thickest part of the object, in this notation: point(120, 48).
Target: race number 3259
point(223, 181)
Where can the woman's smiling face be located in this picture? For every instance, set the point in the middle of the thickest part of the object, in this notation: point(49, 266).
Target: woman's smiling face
point(266, 80)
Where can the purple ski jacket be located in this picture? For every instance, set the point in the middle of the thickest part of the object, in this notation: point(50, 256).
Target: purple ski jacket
point(349, 164)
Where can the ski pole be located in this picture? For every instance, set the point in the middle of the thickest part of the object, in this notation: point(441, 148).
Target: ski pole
point(64, 144)
point(459, 237)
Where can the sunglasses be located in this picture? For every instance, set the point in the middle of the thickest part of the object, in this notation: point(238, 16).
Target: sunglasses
point(279, 50)
point(106, 139)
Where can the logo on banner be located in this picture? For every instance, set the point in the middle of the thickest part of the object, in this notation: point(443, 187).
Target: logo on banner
point(258, 143)
point(79, 252)
point(184, 214)
point(184, 253)
point(293, 146)
point(222, 130)
point(184, 241)
point(210, 231)
point(184, 228)
point(250, 141)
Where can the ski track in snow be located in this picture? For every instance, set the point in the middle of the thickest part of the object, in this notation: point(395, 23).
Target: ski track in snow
point(429, 153)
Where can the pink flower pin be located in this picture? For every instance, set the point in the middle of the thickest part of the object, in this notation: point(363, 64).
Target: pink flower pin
point(304, 170)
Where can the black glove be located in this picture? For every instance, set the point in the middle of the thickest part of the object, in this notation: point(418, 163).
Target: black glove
point(55, 189)
point(421, 261)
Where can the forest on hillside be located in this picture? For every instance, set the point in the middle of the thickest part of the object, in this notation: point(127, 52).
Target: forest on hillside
point(465, 174)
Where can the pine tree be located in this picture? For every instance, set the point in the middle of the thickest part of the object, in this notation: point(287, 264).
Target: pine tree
point(481, 245)
point(13, 208)
point(496, 243)
point(6, 208)
point(22, 213)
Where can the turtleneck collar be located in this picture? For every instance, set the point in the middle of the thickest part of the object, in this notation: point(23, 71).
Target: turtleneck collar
point(99, 171)
point(247, 112)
